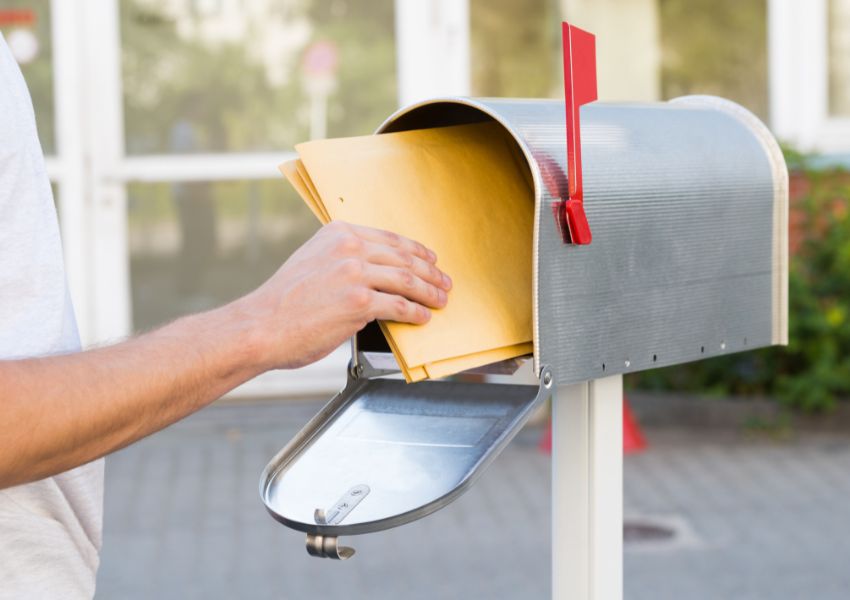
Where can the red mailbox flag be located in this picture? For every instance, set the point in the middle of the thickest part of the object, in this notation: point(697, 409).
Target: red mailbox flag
point(579, 88)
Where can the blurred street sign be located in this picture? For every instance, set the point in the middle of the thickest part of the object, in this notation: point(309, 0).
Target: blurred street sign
point(320, 59)
point(319, 65)
point(17, 17)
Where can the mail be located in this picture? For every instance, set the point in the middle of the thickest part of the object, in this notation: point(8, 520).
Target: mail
point(463, 191)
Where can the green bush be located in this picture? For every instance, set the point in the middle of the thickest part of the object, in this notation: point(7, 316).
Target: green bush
point(813, 371)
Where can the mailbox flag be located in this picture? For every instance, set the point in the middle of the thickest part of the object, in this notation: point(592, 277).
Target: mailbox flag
point(579, 88)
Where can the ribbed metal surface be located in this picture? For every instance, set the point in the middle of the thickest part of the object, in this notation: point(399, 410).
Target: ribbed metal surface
point(685, 201)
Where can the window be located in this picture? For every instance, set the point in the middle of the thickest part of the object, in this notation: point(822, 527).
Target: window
point(809, 75)
point(195, 245)
point(715, 47)
point(516, 48)
point(231, 76)
point(215, 93)
point(253, 75)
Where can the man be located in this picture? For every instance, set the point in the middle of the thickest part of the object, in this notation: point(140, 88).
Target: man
point(64, 410)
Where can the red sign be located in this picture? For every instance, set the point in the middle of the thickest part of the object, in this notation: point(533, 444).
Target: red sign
point(17, 16)
point(579, 88)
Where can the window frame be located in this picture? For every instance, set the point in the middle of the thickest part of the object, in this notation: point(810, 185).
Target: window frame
point(798, 55)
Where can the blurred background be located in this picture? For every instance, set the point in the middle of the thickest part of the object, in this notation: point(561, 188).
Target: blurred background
point(163, 122)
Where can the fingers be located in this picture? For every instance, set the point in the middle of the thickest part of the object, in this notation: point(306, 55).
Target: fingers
point(404, 282)
point(394, 240)
point(379, 254)
point(392, 307)
point(395, 278)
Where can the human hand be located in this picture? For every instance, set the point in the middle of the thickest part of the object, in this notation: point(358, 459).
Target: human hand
point(342, 278)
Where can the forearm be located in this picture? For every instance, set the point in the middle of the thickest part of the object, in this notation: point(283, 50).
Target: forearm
point(62, 411)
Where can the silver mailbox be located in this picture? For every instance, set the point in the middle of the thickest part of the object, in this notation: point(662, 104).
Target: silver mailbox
point(688, 204)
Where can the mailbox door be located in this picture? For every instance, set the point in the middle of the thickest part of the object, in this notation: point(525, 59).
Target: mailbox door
point(384, 453)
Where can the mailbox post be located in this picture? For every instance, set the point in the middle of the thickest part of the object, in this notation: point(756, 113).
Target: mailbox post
point(587, 490)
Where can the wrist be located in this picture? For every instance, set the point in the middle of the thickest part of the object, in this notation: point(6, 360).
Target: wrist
point(247, 339)
point(226, 341)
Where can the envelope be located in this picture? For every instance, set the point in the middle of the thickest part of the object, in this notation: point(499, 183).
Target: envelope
point(463, 191)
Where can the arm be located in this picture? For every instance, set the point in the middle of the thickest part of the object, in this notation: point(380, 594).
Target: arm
point(63, 411)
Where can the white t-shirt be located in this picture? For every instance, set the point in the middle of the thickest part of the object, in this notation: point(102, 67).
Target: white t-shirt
point(50, 530)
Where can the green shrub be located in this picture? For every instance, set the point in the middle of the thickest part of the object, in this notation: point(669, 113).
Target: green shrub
point(813, 371)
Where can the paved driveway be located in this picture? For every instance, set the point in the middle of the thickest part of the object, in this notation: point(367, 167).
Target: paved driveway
point(753, 518)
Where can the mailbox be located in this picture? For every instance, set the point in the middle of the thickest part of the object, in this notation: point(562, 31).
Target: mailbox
point(688, 204)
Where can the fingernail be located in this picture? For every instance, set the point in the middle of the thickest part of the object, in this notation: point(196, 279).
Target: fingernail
point(447, 282)
point(441, 297)
point(432, 255)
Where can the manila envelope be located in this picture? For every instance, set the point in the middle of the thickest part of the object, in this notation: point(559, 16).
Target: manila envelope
point(464, 192)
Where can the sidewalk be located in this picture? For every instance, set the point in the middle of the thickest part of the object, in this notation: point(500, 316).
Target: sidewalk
point(753, 517)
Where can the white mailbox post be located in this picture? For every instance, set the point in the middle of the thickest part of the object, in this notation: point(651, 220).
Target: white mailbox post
point(587, 490)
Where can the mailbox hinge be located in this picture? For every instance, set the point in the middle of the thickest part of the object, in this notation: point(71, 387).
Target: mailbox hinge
point(326, 546)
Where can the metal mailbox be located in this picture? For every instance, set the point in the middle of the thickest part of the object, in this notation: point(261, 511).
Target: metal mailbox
point(688, 202)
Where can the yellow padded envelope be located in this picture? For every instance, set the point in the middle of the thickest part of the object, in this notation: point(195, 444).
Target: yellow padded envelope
point(461, 192)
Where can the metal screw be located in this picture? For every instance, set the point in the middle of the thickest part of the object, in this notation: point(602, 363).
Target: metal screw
point(628, 363)
point(547, 378)
point(356, 492)
point(723, 345)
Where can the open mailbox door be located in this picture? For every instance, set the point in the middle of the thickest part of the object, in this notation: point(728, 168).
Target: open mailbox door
point(383, 453)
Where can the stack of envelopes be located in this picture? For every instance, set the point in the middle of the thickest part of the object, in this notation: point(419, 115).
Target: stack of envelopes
point(463, 191)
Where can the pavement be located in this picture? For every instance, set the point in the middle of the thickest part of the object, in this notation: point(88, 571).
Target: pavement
point(750, 514)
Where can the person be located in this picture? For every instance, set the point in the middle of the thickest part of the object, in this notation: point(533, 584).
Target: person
point(64, 409)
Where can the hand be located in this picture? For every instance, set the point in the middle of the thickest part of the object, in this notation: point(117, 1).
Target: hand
point(344, 277)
